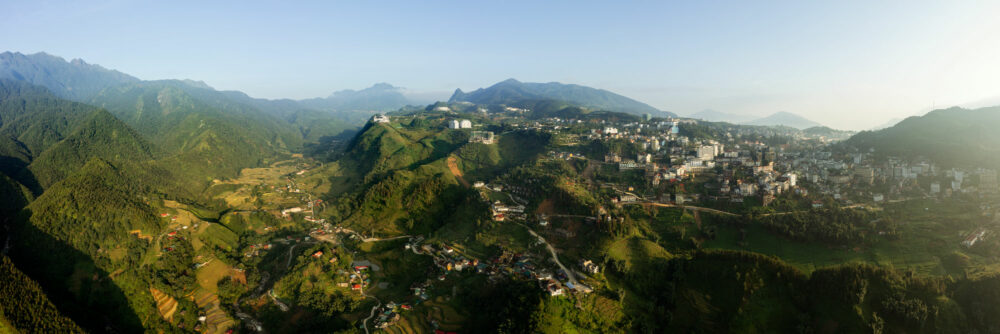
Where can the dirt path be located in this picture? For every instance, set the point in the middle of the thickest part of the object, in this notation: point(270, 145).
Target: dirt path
point(453, 166)
point(697, 218)
point(588, 172)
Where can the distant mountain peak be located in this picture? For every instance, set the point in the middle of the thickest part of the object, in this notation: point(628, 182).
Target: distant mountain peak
point(75, 79)
point(380, 96)
point(513, 91)
point(786, 119)
point(383, 85)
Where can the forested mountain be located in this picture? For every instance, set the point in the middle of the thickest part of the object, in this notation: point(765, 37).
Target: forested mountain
point(120, 94)
point(951, 137)
point(512, 91)
point(24, 307)
point(98, 135)
point(78, 232)
point(201, 130)
point(76, 80)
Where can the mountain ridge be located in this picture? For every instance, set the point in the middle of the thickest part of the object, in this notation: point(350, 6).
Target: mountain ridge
point(512, 91)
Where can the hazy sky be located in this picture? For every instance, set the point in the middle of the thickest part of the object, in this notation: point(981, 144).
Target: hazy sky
point(847, 64)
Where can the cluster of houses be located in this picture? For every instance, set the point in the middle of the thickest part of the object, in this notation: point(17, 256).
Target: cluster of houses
point(388, 314)
point(257, 249)
point(501, 211)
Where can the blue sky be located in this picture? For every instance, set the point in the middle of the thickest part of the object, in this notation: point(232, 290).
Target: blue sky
point(847, 64)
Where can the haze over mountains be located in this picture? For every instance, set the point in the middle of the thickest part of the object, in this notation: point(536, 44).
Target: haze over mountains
point(96, 165)
point(781, 118)
point(511, 90)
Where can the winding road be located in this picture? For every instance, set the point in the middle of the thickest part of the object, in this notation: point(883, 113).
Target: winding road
point(364, 324)
point(569, 273)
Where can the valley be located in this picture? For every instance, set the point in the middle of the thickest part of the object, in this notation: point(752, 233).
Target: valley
point(168, 206)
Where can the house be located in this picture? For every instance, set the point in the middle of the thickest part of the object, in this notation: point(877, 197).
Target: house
point(355, 286)
point(554, 289)
point(485, 137)
point(459, 124)
point(591, 267)
point(286, 212)
point(973, 238)
point(317, 254)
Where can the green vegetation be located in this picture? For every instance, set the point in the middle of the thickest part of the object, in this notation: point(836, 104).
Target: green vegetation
point(944, 135)
point(511, 91)
point(26, 307)
point(167, 200)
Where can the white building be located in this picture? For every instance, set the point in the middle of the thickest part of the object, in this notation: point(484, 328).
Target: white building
point(379, 118)
point(706, 152)
point(644, 158)
point(610, 131)
point(460, 124)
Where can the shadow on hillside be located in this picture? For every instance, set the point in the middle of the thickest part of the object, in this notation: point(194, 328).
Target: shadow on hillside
point(441, 149)
point(18, 170)
point(328, 148)
point(71, 279)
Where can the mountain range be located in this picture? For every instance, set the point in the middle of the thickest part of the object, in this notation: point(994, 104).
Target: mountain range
point(512, 91)
point(131, 205)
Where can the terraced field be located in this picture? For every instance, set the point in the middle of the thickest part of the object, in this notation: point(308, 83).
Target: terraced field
point(165, 304)
point(217, 321)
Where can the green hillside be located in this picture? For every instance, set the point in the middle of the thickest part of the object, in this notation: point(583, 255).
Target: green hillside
point(25, 307)
point(99, 135)
point(951, 137)
point(512, 91)
point(83, 223)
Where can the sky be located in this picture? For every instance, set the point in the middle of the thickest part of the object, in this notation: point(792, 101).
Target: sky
point(846, 64)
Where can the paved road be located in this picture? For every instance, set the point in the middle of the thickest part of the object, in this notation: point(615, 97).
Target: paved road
point(363, 239)
point(364, 324)
point(569, 274)
point(689, 207)
point(289, 262)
